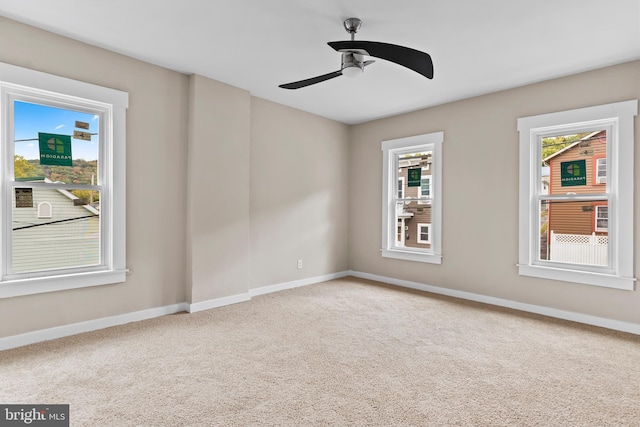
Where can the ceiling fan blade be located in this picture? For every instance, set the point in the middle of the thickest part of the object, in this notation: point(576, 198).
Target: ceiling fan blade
point(311, 81)
point(415, 60)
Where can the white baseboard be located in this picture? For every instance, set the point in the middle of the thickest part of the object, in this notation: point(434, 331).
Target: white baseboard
point(218, 302)
point(88, 326)
point(106, 322)
point(603, 322)
point(297, 283)
point(234, 299)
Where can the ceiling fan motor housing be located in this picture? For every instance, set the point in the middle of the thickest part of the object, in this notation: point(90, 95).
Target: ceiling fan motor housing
point(352, 64)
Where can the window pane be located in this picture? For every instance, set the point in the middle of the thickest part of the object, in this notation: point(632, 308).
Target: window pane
point(55, 144)
point(574, 163)
point(602, 218)
point(414, 171)
point(601, 165)
point(574, 232)
point(425, 186)
point(408, 215)
point(424, 233)
point(55, 228)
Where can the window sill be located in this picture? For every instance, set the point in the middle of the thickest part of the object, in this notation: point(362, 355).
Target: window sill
point(39, 285)
point(412, 256)
point(577, 276)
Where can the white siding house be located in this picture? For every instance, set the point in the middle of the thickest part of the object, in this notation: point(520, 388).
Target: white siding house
point(55, 232)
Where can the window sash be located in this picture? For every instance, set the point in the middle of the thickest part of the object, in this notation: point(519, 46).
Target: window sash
point(538, 196)
point(64, 102)
point(8, 266)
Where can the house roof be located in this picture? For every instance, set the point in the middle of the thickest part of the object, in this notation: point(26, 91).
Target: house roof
point(65, 193)
point(569, 147)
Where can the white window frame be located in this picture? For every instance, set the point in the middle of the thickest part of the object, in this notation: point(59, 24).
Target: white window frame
point(600, 179)
point(401, 190)
point(424, 178)
point(618, 120)
point(419, 228)
point(597, 209)
point(391, 150)
point(20, 83)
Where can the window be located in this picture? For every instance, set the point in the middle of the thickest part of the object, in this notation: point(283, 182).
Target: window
point(401, 187)
point(425, 188)
point(600, 170)
point(602, 218)
point(415, 163)
point(581, 150)
point(63, 189)
point(424, 233)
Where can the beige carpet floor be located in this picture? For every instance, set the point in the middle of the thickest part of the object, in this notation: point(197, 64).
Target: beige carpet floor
point(345, 352)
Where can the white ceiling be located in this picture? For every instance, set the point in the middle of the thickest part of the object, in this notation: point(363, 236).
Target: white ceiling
point(477, 46)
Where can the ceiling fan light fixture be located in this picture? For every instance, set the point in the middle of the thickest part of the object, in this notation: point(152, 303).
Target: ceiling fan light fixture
point(352, 71)
point(352, 64)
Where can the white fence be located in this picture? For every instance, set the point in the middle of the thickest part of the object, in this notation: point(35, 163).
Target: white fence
point(579, 248)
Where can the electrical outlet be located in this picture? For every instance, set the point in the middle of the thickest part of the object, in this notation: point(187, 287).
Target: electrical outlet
point(299, 263)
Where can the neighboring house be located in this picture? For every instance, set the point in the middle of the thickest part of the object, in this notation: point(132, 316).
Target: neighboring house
point(545, 180)
point(54, 231)
point(579, 217)
point(414, 216)
point(577, 230)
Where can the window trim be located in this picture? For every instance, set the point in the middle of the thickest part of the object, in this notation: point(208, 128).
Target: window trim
point(619, 117)
point(391, 149)
point(25, 82)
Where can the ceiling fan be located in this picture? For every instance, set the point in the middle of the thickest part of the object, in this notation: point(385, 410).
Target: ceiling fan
point(353, 53)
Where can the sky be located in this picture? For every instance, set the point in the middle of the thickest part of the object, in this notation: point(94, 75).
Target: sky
point(29, 119)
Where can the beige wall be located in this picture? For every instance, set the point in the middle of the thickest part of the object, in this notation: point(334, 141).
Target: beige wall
point(480, 193)
point(194, 145)
point(218, 188)
point(299, 194)
point(156, 180)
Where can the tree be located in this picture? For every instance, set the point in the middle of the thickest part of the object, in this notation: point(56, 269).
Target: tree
point(23, 168)
point(557, 143)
